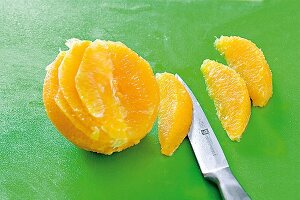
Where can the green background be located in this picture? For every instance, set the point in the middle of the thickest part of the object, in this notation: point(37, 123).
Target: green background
point(36, 162)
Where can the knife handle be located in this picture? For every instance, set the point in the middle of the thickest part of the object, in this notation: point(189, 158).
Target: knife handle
point(228, 185)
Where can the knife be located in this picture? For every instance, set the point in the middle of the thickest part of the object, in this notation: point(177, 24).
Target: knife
point(210, 157)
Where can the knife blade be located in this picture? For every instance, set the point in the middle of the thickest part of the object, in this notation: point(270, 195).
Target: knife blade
point(209, 154)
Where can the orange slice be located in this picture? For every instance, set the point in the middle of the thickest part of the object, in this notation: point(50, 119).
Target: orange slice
point(249, 61)
point(89, 89)
point(230, 95)
point(58, 118)
point(124, 84)
point(94, 79)
point(175, 113)
point(95, 88)
point(68, 70)
point(135, 87)
point(67, 97)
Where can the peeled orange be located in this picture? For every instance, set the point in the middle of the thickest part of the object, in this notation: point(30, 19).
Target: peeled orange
point(249, 61)
point(230, 95)
point(105, 92)
point(175, 113)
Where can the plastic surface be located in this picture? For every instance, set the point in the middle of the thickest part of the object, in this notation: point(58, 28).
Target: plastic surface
point(174, 36)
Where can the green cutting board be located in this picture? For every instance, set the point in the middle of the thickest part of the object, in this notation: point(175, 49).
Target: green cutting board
point(36, 162)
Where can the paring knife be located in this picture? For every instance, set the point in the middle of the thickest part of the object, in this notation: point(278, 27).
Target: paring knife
point(209, 154)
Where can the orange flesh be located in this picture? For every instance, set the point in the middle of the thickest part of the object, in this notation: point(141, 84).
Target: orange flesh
point(249, 61)
point(141, 101)
point(95, 88)
point(58, 118)
point(88, 88)
point(230, 95)
point(175, 113)
point(67, 71)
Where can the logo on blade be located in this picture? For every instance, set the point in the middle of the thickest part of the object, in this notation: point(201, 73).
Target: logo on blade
point(204, 131)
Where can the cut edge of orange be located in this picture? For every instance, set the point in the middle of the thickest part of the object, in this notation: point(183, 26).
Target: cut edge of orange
point(57, 117)
point(228, 115)
point(89, 91)
point(89, 138)
point(93, 82)
point(249, 61)
point(175, 113)
point(136, 65)
point(66, 120)
point(68, 70)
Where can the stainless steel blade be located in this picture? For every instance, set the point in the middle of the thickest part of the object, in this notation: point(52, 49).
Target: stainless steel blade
point(203, 140)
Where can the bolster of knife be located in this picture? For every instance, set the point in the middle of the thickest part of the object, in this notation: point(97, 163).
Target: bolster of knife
point(228, 185)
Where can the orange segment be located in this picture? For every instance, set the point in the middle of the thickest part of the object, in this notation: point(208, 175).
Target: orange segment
point(67, 125)
point(175, 113)
point(230, 95)
point(69, 102)
point(249, 61)
point(92, 128)
point(123, 84)
point(58, 118)
point(93, 80)
point(89, 127)
point(68, 70)
point(80, 124)
point(94, 83)
point(67, 98)
point(135, 87)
